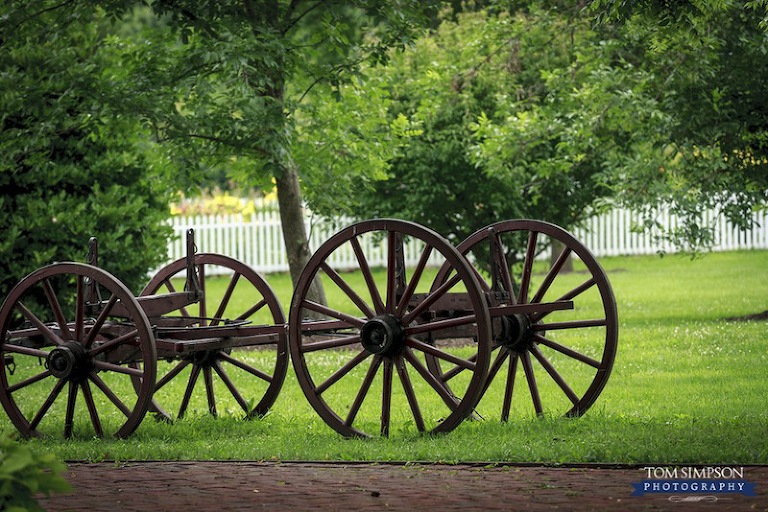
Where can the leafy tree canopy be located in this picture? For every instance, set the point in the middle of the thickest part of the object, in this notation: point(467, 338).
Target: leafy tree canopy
point(522, 113)
point(553, 111)
point(72, 167)
point(708, 60)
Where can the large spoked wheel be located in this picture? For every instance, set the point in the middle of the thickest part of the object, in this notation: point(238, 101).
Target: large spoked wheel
point(68, 330)
point(559, 340)
point(381, 321)
point(243, 372)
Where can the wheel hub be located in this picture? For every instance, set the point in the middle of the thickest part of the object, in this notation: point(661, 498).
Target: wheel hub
point(515, 333)
point(68, 361)
point(383, 335)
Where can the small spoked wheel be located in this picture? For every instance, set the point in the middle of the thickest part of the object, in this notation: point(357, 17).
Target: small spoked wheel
point(74, 340)
point(555, 328)
point(381, 322)
point(239, 372)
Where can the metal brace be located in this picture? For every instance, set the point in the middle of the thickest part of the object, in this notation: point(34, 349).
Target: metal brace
point(92, 292)
point(9, 363)
point(192, 285)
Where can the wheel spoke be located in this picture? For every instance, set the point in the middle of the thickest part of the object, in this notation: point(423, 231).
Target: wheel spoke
point(586, 285)
point(127, 370)
point(341, 372)
point(499, 261)
point(332, 343)
point(410, 394)
point(31, 380)
point(231, 386)
point(225, 300)
point(555, 375)
point(366, 270)
point(575, 324)
point(88, 396)
point(69, 418)
point(386, 397)
point(171, 374)
point(431, 299)
point(80, 309)
point(509, 388)
point(319, 308)
point(395, 269)
point(110, 394)
point(208, 379)
point(127, 337)
point(244, 366)
point(47, 404)
point(494, 369)
point(434, 351)
point(27, 351)
point(58, 313)
point(188, 391)
point(450, 400)
point(99, 322)
point(363, 391)
point(525, 280)
point(552, 274)
point(446, 376)
point(203, 303)
point(567, 351)
point(44, 329)
point(414, 281)
point(439, 325)
point(252, 310)
point(344, 286)
point(532, 386)
point(172, 289)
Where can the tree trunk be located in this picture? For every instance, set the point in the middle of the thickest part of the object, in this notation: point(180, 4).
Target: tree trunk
point(294, 229)
point(557, 249)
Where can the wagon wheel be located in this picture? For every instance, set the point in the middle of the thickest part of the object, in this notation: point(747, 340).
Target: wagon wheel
point(71, 329)
point(563, 356)
point(246, 378)
point(379, 326)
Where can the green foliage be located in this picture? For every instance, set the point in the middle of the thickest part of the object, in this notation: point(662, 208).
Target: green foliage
point(228, 85)
point(24, 473)
point(708, 64)
point(538, 111)
point(73, 167)
point(521, 114)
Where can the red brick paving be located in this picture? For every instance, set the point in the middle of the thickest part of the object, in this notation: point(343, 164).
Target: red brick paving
point(290, 486)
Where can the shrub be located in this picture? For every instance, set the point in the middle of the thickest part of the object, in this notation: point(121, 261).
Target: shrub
point(24, 473)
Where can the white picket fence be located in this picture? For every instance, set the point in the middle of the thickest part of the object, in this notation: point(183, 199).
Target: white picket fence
point(257, 239)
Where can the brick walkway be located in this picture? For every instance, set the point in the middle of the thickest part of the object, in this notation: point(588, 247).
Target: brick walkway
point(290, 486)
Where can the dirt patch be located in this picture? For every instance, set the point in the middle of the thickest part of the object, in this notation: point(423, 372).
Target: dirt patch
point(757, 317)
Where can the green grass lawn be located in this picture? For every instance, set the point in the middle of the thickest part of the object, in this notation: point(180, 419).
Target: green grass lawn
point(688, 386)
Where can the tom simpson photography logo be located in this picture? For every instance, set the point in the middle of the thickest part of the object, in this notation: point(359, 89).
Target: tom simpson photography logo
point(698, 483)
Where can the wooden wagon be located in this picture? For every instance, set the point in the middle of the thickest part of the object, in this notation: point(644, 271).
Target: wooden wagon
point(489, 328)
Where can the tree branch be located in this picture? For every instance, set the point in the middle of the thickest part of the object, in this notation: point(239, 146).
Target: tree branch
point(294, 4)
point(38, 14)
